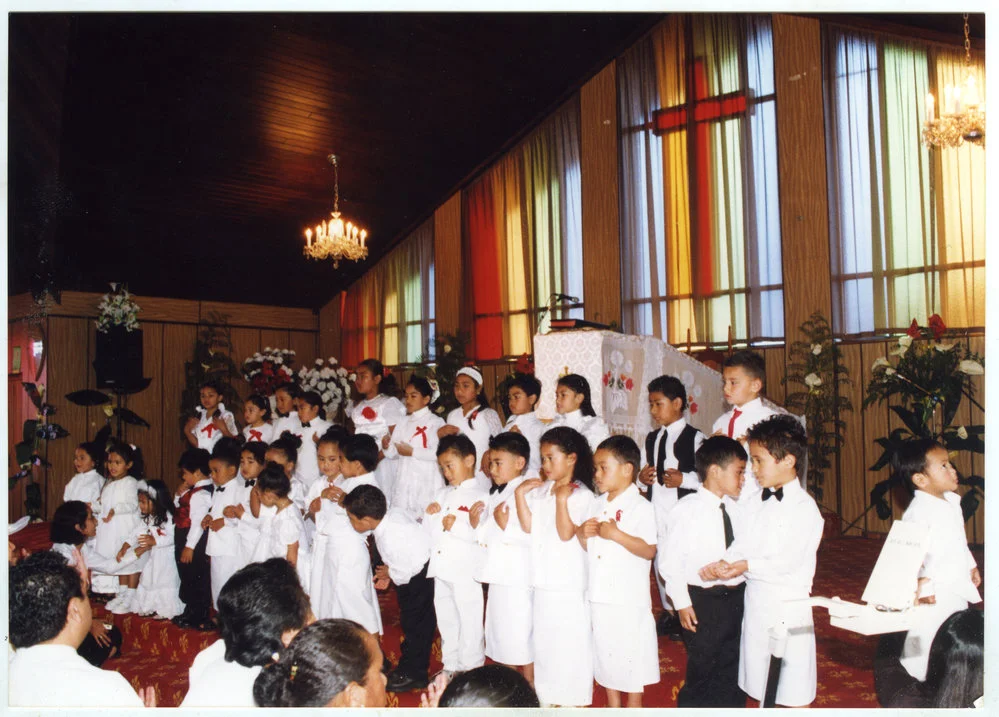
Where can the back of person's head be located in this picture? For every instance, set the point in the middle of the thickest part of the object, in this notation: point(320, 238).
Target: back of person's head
point(510, 442)
point(361, 448)
point(489, 686)
point(274, 480)
point(288, 444)
point(578, 384)
point(41, 587)
point(64, 521)
point(781, 435)
point(366, 501)
point(910, 458)
point(527, 383)
point(227, 450)
point(625, 450)
point(315, 400)
point(459, 443)
point(256, 606)
point(336, 435)
point(751, 362)
point(321, 663)
point(717, 451)
point(955, 670)
point(569, 441)
point(671, 387)
point(194, 460)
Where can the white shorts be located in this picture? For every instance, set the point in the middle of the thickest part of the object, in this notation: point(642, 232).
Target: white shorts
point(625, 647)
point(509, 623)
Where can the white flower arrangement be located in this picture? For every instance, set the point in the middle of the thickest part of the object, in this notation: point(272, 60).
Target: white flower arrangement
point(330, 380)
point(117, 309)
point(267, 371)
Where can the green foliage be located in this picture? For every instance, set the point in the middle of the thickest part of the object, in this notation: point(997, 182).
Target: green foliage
point(817, 372)
point(443, 356)
point(211, 361)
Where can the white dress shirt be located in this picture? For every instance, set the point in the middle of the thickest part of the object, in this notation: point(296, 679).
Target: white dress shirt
point(695, 537)
point(664, 498)
point(506, 552)
point(55, 676)
point(215, 682)
point(201, 504)
point(226, 540)
point(750, 413)
point(479, 424)
point(531, 427)
point(948, 562)
point(85, 487)
point(403, 544)
point(592, 427)
point(307, 462)
point(616, 575)
point(455, 554)
point(285, 423)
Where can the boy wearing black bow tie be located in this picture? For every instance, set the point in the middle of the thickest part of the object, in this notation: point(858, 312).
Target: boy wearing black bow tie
point(223, 541)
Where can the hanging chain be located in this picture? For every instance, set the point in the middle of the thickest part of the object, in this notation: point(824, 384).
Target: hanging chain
point(967, 42)
point(332, 159)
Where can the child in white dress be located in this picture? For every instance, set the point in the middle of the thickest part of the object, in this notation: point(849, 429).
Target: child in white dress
point(575, 410)
point(311, 425)
point(257, 416)
point(413, 447)
point(286, 401)
point(284, 451)
point(522, 397)
point(86, 485)
point(551, 511)
point(620, 541)
point(159, 587)
point(473, 418)
point(283, 536)
point(119, 516)
point(377, 413)
point(213, 420)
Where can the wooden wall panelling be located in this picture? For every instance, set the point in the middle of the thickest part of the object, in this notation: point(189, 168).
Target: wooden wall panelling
point(852, 465)
point(598, 130)
point(329, 329)
point(153, 308)
point(775, 362)
point(67, 372)
point(20, 306)
point(303, 343)
point(876, 425)
point(258, 315)
point(245, 342)
point(149, 402)
point(277, 339)
point(448, 265)
point(178, 343)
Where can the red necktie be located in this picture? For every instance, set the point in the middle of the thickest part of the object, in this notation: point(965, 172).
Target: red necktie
point(731, 422)
point(256, 435)
point(421, 431)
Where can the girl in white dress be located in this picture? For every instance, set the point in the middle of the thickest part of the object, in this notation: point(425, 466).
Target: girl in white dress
point(86, 485)
point(377, 413)
point(213, 420)
point(413, 447)
point(284, 535)
point(159, 587)
point(119, 515)
point(284, 451)
point(551, 511)
point(473, 418)
point(286, 401)
point(575, 410)
point(257, 416)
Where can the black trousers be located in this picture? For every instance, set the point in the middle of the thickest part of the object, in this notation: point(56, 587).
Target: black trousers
point(713, 650)
point(95, 653)
point(195, 577)
point(418, 620)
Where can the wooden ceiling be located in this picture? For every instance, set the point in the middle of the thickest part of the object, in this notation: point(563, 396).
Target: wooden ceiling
point(186, 153)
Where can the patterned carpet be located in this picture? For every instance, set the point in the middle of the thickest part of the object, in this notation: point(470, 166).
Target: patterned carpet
point(159, 654)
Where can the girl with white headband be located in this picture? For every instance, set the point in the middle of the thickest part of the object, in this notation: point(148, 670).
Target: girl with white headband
point(474, 418)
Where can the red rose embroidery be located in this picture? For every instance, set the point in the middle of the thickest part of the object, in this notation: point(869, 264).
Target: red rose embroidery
point(606, 378)
point(913, 329)
point(463, 509)
point(629, 384)
point(617, 516)
point(693, 408)
point(937, 326)
point(369, 413)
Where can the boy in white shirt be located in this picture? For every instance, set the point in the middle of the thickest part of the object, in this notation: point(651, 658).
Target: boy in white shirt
point(700, 528)
point(193, 502)
point(522, 397)
point(506, 563)
point(456, 555)
point(744, 374)
point(223, 539)
point(404, 546)
point(776, 551)
point(949, 577)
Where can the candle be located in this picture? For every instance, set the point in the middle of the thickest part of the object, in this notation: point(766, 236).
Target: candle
point(929, 107)
point(957, 100)
point(971, 95)
point(308, 237)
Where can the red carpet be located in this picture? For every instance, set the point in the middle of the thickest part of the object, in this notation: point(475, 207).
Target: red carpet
point(159, 654)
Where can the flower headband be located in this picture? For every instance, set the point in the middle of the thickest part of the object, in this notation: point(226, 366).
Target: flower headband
point(471, 372)
point(146, 488)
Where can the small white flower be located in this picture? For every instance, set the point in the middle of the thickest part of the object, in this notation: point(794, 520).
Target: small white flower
point(942, 348)
point(267, 349)
point(890, 371)
point(880, 362)
point(319, 362)
point(813, 380)
point(352, 377)
point(278, 360)
point(962, 432)
point(816, 349)
point(971, 368)
point(331, 361)
point(905, 341)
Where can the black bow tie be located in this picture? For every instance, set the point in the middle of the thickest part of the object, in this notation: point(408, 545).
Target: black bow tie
point(306, 424)
point(779, 494)
point(249, 483)
point(496, 488)
point(220, 489)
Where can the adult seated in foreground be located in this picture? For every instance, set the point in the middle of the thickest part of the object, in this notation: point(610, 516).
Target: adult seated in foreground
point(330, 663)
point(954, 674)
point(49, 619)
point(260, 609)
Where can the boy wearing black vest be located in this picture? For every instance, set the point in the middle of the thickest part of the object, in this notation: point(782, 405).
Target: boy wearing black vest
point(669, 473)
point(193, 502)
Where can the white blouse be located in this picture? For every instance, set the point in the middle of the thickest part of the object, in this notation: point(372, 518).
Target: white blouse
point(85, 487)
point(264, 433)
point(479, 424)
point(557, 564)
point(373, 416)
point(593, 428)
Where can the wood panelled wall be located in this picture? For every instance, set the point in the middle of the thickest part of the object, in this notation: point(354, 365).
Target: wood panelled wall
point(169, 331)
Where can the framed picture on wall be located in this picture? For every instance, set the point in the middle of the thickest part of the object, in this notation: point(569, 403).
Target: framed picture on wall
point(15, 359)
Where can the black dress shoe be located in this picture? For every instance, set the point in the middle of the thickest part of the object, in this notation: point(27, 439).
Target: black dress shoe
point(182, 621)
point(668, 625)
point(400, 682)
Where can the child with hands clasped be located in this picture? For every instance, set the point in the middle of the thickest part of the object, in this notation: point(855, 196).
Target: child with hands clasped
point(221, 523)
point(159, 587)
point(949, 577)
point(575, 409)
point(413, 446)
point(620, 541)
point(311, 425)
point(252, 459)
point(283, 535)
point(86, 485)
point(699, 530)
point(377, 413)
point(119, 518)
point(551, 511)
point(257, 416)
point(193, 501)
point(473, 418)
point(776, 551)
point(522, 397)
point(455, 556)
point(213, 421)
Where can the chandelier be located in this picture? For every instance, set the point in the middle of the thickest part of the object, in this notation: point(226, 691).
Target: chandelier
point(962, 114)
point(334, 239)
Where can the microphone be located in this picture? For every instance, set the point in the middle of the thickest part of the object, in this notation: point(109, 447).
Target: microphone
point(566, 297)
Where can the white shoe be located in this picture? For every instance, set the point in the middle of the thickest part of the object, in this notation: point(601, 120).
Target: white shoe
point(123, 603)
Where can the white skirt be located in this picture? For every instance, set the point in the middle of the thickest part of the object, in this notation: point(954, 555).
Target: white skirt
point(509, 624)
point(625, 647)
point(563, 648)
point(927, 620)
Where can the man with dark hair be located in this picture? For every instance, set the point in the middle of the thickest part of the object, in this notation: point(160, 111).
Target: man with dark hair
point(49, 618)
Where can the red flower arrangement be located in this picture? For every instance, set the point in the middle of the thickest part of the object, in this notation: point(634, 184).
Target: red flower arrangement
point(268, 371)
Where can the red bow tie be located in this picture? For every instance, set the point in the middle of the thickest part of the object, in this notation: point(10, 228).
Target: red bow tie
point(421, 431)
point(256, 435)
point(209, 429)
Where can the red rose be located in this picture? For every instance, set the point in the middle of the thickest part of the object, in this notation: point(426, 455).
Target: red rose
point(937, 326)
point(629, 384)
point(693, 408)
point(617, 516)
point(914, 331)
point(369, 413)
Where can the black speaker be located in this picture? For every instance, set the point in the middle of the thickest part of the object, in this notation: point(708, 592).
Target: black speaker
point(118, 360)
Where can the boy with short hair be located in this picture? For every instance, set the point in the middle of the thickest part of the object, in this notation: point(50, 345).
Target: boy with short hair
point(405, 547)
point(193, 501)
point(744, 374)
point(700, 529)
point(776, 551)
point(223, 540)
point(506, 563)
point(522, 396)
point(949, 577)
